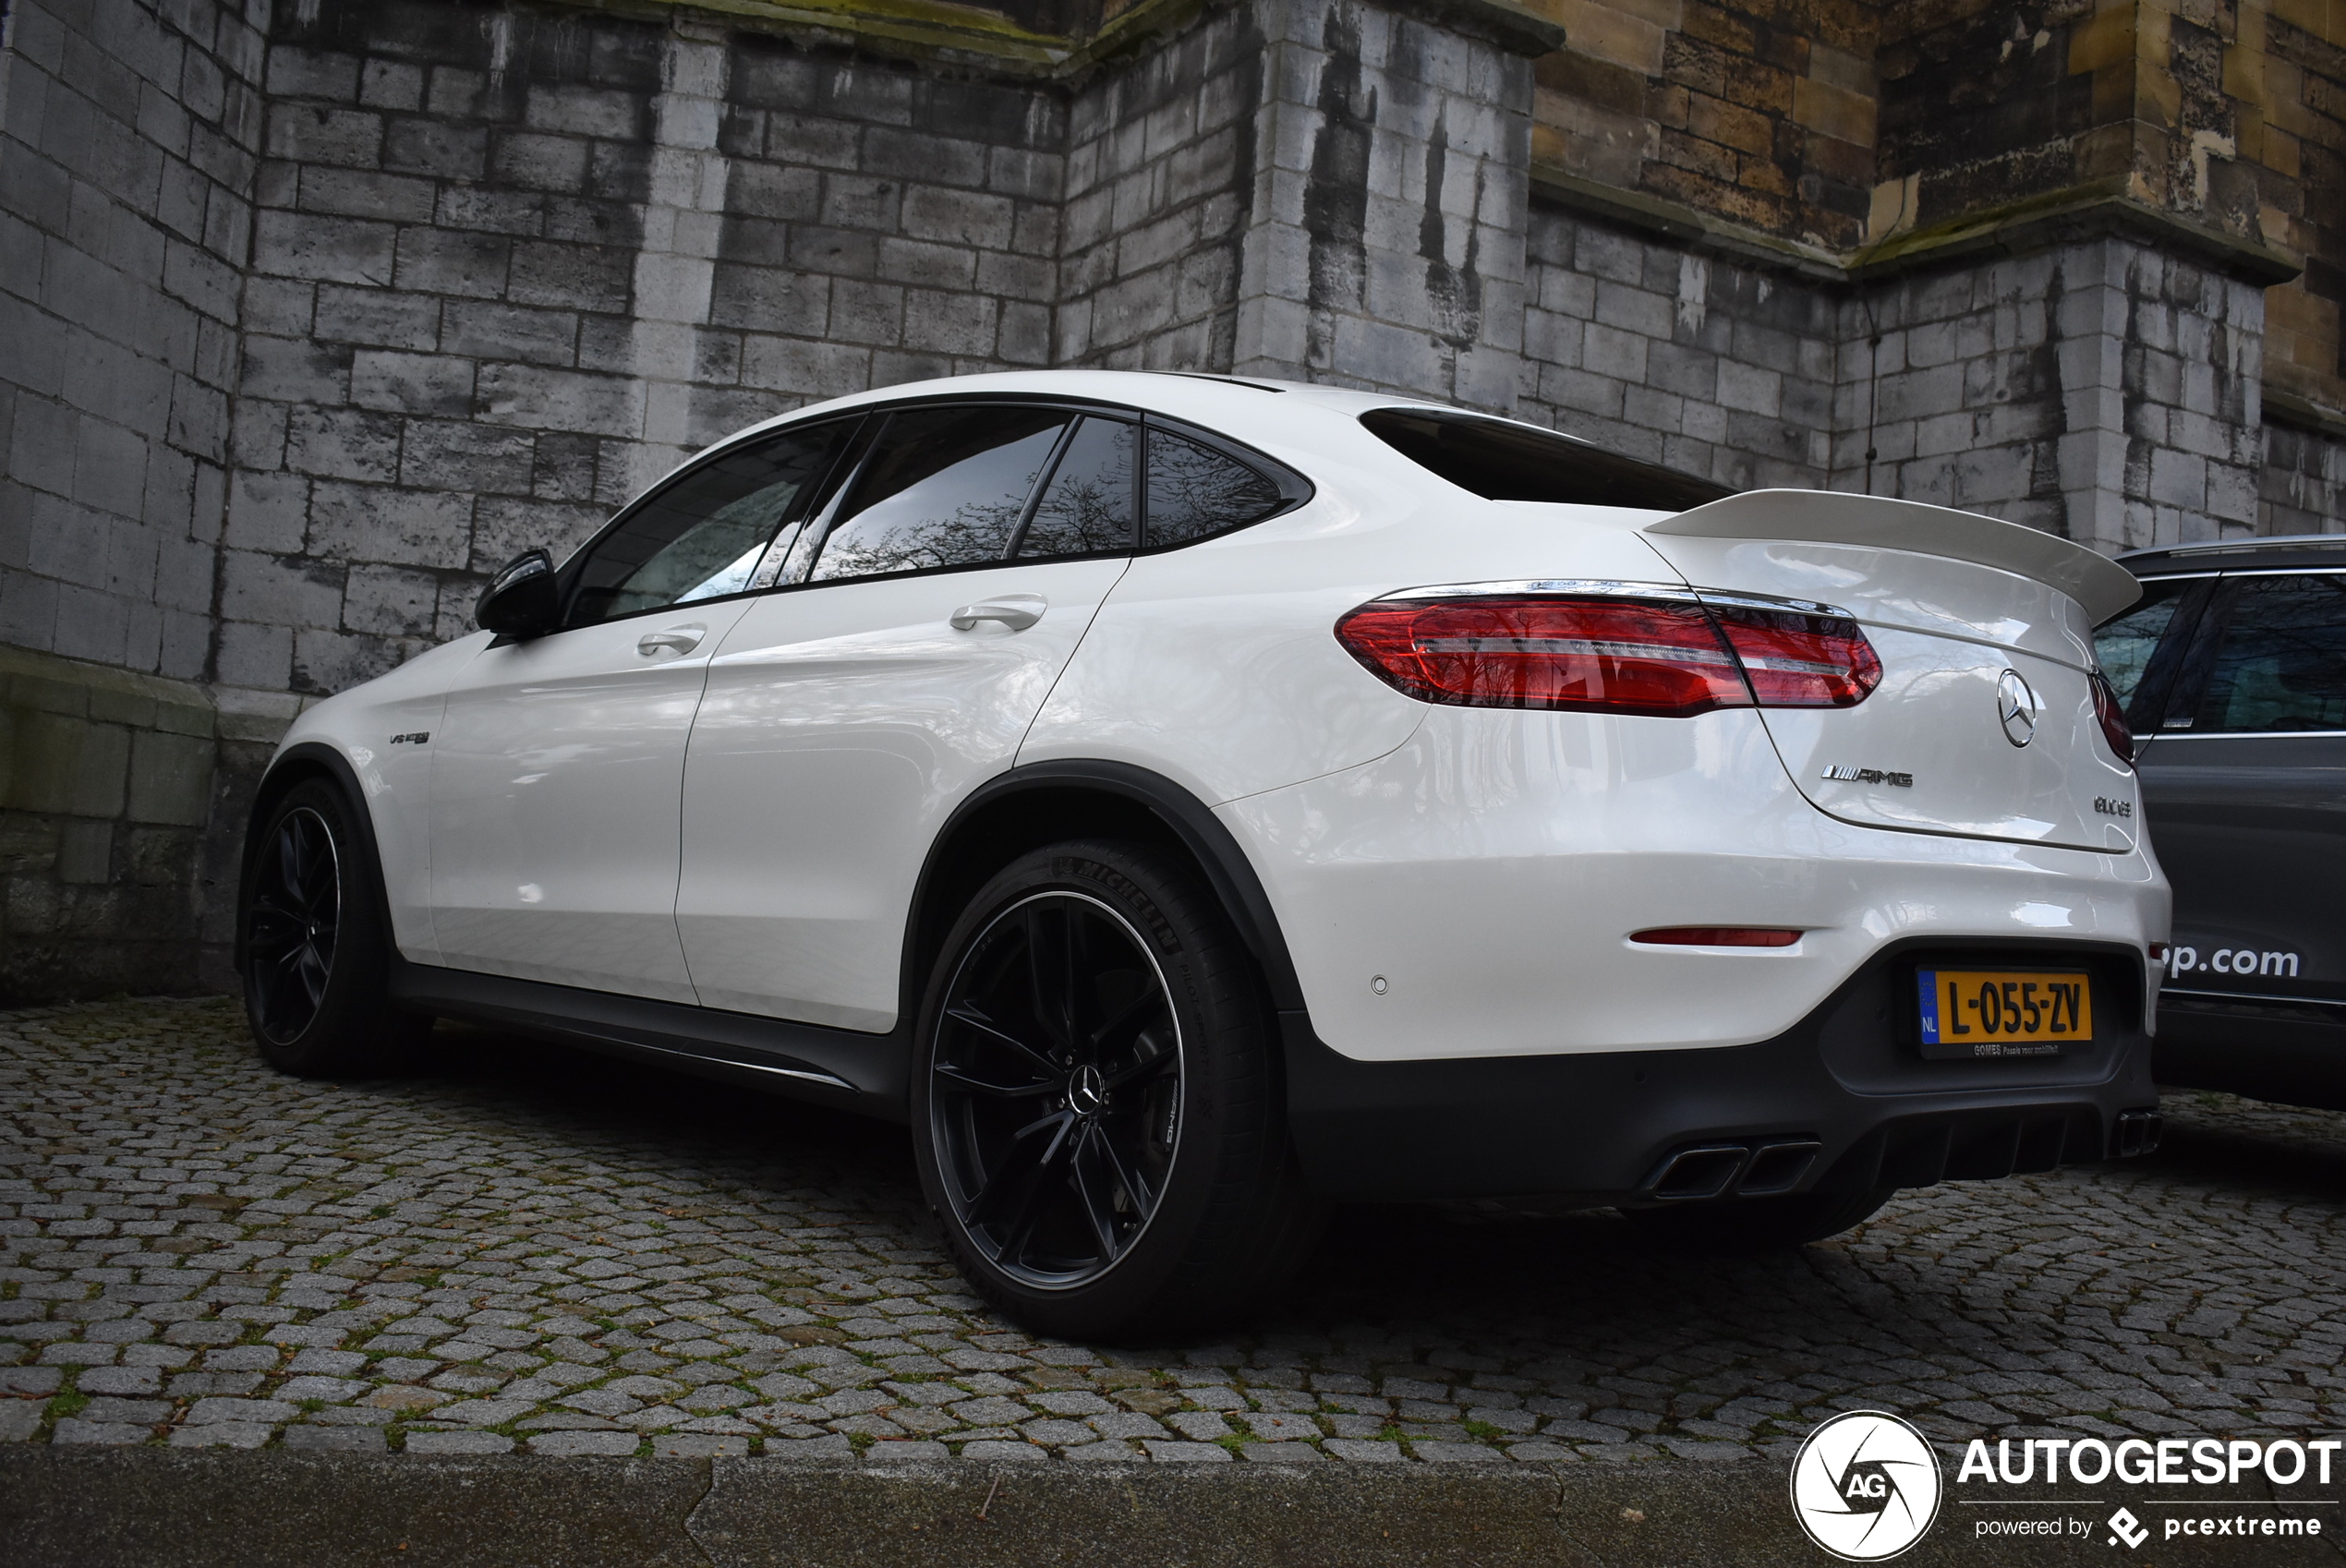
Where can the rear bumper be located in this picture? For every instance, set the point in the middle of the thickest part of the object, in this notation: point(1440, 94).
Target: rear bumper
point(2293, 1053)
point(1841, 1101)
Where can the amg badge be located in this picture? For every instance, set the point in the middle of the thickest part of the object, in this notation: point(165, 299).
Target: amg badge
point(413, 738)
point(1842, 774)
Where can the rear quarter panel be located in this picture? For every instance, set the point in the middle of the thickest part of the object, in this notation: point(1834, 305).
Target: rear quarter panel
point(1217, 665)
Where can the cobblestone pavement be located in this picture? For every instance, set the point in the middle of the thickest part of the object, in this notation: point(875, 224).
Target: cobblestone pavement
point(524, 1248)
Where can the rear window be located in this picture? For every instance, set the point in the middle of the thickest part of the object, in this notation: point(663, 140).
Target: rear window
point(1504, 462)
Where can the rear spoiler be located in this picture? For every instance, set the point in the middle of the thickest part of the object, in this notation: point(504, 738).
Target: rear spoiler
point(1837, 517)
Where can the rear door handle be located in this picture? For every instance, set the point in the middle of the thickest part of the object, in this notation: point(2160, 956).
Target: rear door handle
point(1017, 611)
point(677, 639)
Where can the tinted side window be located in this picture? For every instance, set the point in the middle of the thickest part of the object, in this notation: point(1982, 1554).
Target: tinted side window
point(944, 487)
point(2125, 641)
point(702, 535)
point(1087, 507)
point(1194, 490)
point(1503, 461)
point(2280, 665)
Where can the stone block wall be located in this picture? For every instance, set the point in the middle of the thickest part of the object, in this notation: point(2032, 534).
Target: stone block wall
point(1386, 244)
point(2100, 390)
point(1161, 160)
point(128, 139)
point(317, 313)
point(2303, 479)
point(129, 130)
point(1704, 363)
point(490, 302)
point(1754, 112)
point(106, 781)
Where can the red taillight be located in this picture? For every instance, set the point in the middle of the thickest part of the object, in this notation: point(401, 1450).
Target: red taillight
point(1602, 655)
point(1718, 936)
point(2112, 714)
point(1664, 657)
point(1797, 660)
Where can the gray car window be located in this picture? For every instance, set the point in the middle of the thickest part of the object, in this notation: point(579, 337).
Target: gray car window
point(944, 487)
point(1087, 507)
point(1194, 490)
point(2280, 667)
point(702, 535)
point(2126, 642)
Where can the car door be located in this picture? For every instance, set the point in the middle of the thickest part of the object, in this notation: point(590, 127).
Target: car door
point(2245, 786)
point(897, 667)
point(557, 766)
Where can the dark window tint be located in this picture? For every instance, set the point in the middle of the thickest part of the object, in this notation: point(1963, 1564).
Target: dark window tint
point(1194, 490)
point(2280, 665)
point(2125, 641)
point(944, 487)
point(1504, 462)
point(1087, 507)
point(702, 535)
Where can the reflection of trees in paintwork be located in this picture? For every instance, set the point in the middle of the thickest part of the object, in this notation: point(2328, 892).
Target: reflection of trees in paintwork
point(1088, 508)
point(1195, 490)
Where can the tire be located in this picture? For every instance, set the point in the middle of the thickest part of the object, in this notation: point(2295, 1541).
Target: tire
point(312, 947)
point(1758, 1224)
point(1096, 1110)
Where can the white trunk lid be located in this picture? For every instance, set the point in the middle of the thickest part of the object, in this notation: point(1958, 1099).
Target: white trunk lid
point(1956, 605)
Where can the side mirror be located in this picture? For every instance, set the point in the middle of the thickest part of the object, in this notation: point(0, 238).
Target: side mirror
point(519, 601)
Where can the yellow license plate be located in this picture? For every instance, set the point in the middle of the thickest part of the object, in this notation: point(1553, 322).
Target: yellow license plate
point(1968, 1012)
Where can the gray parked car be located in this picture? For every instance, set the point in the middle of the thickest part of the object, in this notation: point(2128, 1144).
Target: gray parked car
point(2232, 670)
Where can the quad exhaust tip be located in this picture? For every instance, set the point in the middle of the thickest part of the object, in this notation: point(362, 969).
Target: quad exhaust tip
point(1759, 1168)
point(2137, 1133)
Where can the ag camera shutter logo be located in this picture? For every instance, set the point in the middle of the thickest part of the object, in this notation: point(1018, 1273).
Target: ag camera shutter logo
point(1865, 1485)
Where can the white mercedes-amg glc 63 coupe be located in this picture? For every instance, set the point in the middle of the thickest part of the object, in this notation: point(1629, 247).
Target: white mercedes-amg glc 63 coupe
point(1187, 801)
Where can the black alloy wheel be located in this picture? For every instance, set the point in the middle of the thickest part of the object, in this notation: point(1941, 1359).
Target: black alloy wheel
point(291, 925)
point(1099, 1126)
point(1054, 1095)
point(312, 945)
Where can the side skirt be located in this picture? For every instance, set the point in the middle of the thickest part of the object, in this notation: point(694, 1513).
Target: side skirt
point(867, 1074)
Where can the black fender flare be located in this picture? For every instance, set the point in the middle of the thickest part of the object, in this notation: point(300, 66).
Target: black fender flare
point(311, 756)
point(1227, 870)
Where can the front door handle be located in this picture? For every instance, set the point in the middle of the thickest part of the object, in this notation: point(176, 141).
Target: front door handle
point(1017, 611)
point(676, 639)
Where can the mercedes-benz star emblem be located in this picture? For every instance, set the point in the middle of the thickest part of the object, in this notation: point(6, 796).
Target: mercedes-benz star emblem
point(2017, 706)
point(1087, 1090)
point(1865, 1485)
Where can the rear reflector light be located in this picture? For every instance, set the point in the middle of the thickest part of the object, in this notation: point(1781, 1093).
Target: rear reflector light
point(2112, 714)
point(1717, 936)
point(1661, 657)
